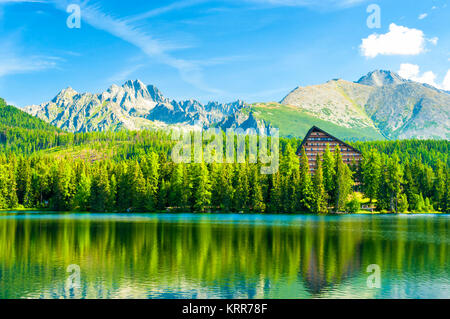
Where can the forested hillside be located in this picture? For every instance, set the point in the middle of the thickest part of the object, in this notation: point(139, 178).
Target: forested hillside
point(11, 116)
point(133, 171)
point(21, 132)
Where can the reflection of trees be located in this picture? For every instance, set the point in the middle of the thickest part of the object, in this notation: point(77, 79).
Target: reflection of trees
point(236, 259)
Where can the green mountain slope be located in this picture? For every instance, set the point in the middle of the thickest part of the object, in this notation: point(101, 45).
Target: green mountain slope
point(23, 133)
point(295, 122)
point(12, 117)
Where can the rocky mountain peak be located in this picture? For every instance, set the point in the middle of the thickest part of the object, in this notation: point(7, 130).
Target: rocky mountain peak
point(137, 85)
point(65, 95)
point(380, 78)
point(156, 94)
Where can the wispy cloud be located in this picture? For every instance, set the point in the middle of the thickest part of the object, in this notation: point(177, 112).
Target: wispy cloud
point(13, 59)
point(124, 74)
point(178, 5)
point(324, 4)
point(134, 34)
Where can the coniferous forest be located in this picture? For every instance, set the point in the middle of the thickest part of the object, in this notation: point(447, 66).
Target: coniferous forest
point(127, 171)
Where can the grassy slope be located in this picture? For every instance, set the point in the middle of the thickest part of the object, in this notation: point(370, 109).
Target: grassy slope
point(294, 122)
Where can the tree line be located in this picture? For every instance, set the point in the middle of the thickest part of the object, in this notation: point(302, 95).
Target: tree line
point(134, 173)
point(150, 181)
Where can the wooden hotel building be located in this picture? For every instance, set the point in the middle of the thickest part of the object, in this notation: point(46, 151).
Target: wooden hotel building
point(315, 143)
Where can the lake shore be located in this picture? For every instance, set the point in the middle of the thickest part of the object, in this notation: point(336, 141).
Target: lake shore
point(45, 211)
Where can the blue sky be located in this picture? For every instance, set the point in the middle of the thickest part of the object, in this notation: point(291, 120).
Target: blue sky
point(255, 50)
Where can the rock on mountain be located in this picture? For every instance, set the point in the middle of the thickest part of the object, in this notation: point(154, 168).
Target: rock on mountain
point(396, 107)
point(381, 78)
point(131, 106)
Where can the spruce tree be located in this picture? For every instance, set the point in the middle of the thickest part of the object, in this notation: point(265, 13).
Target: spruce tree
point(275, 193)
point(175, 195)
point(440, 187)
point(329, 172)
point(343, 182)
point(256, 195)
point(394, 179)
point(241, 187)
point(201, 188)
point(3, 187)
point(305, 191)
point(82, 195)
point(371, 168)
point(319, 194)
point(100, 190)
point(11, 198)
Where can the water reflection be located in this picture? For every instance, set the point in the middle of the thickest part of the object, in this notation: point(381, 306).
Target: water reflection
point(216, 256)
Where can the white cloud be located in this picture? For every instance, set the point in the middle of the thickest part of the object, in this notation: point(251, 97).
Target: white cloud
point(412, 72)
point(423, 16)
point(434, 40)
point(398, 41)
point(446, 83)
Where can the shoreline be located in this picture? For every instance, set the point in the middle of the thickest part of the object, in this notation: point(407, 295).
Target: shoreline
point(46, 211)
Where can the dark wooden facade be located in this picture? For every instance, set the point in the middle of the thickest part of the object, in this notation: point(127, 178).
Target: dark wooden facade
point(315, 143)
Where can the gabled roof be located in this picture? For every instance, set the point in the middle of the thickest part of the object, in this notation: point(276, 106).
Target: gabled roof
point(316, 129)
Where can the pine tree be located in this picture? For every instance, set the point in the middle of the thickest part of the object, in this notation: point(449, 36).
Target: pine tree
point(403, 203)
point(319, 195)
point(100, 190)
point(3, 187)
point(241, 187)
point(447, 194)
point(222, 186)
point(152, 173)
point(11, 198)
point(124, 176)
point(410, 186)
point(371, 168)
point(175, 195)
point(343, 182)
point(305, 192)
point(394, 179)
point(275, 205)
point(290, 170)
point(201, 188)
point(63, 187)
point(440, 187)
point(256, 195)
point(82, 195)
point(139, 191)
point(24, 182)
point(329, 172)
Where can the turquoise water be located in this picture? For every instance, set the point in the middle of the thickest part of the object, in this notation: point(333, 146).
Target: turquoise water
point(223, 256)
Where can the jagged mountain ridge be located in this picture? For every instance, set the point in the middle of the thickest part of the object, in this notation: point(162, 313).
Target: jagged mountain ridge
point(379, 105)
point(132, 106)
